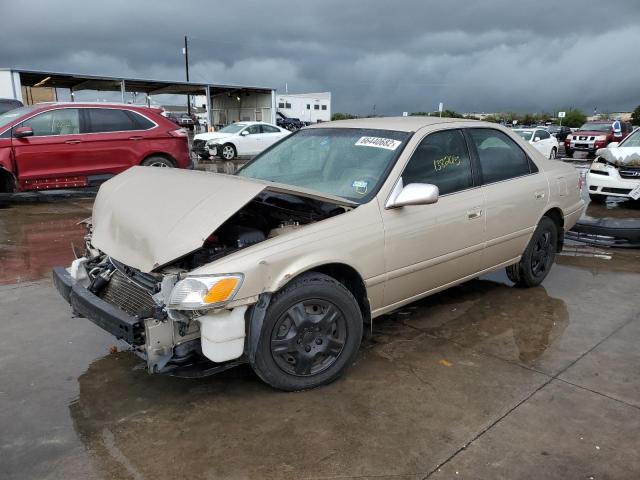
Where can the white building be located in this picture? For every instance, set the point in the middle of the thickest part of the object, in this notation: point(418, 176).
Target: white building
point(308, 107)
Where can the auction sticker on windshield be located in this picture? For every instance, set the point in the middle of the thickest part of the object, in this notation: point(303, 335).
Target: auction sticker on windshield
point(378, 142)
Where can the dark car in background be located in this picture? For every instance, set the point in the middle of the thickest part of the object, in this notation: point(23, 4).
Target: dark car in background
point(63, 145)
point(183, 119)
point(7, 104)
point(594, 135)
point(560, 132)
point(290, 123)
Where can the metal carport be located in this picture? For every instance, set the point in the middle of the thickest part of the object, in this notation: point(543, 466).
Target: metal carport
point(228, 102)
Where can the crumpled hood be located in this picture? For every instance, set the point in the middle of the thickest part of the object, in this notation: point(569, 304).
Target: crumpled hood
point(628, 156)
point(211, 136)
point(147, 217)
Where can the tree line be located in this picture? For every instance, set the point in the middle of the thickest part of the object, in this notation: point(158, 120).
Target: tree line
point(573, 117)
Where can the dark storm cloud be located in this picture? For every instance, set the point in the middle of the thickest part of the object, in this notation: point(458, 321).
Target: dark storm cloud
point(408, 55)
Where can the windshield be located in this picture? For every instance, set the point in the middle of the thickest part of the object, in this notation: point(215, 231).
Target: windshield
point(632, 140)
point(596, 127)
point(233, 128)
point(345, 162)
point(8, 117)
point(524, 134)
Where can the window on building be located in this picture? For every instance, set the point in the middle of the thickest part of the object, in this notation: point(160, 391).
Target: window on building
point(316, 107)
point(280, 104)
point(324, 107)
point(308, 106)
point(287, 105)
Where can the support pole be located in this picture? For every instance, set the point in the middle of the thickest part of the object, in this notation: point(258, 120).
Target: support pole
point(209, 112)
point(122, 89)
point(186, 67)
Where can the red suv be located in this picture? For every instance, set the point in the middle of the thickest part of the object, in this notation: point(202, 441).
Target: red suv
point(594, 135)
point(62, 145)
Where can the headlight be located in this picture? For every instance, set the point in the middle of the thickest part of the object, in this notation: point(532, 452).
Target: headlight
point(601, 138)
point(206, 291)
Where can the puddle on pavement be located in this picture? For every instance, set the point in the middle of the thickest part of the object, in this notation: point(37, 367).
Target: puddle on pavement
point(35, 238)
point(481, 310)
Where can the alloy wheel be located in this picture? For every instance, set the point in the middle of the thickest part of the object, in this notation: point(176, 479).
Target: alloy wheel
point(227, 153)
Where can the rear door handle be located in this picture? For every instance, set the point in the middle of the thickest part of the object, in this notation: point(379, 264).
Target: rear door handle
point(471, 214)
point(136, 138)
point(72, 142)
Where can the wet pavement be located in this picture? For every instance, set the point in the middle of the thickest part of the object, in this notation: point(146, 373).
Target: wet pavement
point(483, 380)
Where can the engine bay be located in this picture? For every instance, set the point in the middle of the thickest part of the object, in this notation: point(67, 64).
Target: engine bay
point(268, 215)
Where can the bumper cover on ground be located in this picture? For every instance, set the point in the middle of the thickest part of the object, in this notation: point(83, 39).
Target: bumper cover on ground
point(103, 314)
point(607, 232)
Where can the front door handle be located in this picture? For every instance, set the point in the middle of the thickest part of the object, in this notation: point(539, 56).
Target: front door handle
point(136, 138)
point(539, 194)
point(472, 214)
point(73, 142)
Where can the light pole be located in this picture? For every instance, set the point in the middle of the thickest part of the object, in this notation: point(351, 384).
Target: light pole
point(185, 52)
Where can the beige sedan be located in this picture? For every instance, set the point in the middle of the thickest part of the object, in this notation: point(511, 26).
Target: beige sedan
point(284, 264)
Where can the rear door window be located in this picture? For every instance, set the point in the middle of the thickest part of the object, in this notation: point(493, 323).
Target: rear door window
point(441, 159)
point(103, 120)
point(64, 121)
point(499, 156)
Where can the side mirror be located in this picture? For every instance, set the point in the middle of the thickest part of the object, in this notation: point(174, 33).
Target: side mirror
point(537, 139)
point(613, 144)
point(22, 132)
point(244, 133)
point(415, 194)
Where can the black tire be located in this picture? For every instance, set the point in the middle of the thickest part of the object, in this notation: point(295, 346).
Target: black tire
point(157, 162)
point(553, 154)
point(568, 153)
point(300, 349)
point(597, 198)
point(538, 257)
point(227, 147)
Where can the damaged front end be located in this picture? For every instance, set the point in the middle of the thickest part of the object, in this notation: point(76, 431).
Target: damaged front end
point(174, 318)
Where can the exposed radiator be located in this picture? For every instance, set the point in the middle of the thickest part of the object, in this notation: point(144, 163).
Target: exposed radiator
point(127, 295)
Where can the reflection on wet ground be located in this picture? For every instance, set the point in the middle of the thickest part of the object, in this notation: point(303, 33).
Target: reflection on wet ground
point(457, 367)
point(34, 238)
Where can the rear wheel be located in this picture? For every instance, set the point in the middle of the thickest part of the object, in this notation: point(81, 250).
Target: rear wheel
point(568, 153)
point(538, 257)
point(157, 162)
point(553, 154)
point(597, 198)
point(311, 334)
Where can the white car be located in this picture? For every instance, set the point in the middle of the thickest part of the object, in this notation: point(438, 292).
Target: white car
point(616, 170)
point(541, 140)
point(238, 139)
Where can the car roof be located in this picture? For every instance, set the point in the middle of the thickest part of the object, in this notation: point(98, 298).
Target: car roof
point(403, 124)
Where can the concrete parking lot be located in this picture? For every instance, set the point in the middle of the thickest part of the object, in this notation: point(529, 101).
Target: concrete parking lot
point(481, 381)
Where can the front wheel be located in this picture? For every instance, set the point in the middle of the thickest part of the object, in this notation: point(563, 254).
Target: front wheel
point(538, 257)
point(228, 151)
point(311, 334)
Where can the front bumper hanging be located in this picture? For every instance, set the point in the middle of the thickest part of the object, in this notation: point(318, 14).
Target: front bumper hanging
point(106, 316)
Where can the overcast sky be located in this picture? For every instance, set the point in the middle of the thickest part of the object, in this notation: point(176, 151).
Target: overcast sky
point(484, 55)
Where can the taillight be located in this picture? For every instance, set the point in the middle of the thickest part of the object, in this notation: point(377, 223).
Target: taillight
point(180, 133)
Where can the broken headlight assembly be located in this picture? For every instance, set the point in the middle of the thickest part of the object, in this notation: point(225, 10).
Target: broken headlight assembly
point(201, 292)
